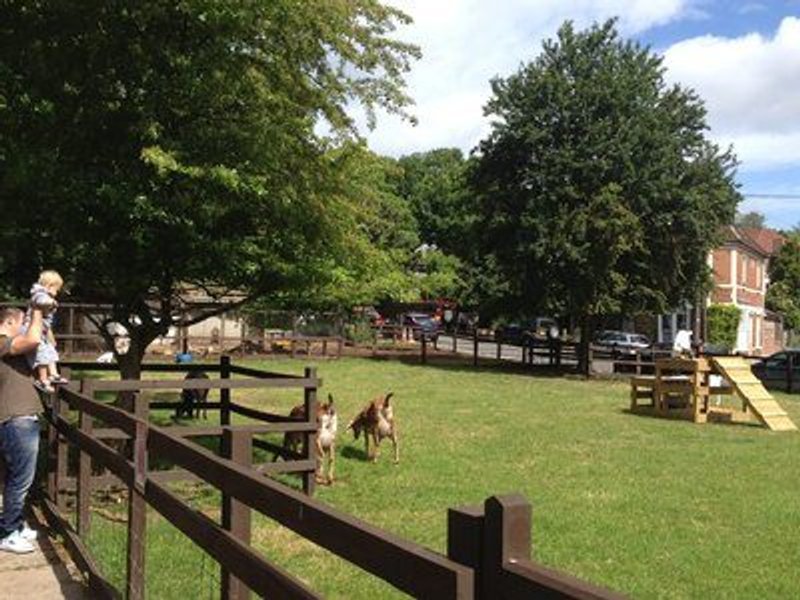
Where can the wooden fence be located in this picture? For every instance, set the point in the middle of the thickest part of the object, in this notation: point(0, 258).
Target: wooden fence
point(302, 464)
point(326, 346)
point(534, 353)
point(488, 547)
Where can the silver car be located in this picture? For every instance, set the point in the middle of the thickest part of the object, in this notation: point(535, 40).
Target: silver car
point(622, 341)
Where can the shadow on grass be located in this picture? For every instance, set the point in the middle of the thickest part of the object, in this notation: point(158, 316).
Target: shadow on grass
point(355, 453)
point(714, 420)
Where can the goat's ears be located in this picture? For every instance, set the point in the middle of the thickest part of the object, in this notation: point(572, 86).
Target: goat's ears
point(388, 396)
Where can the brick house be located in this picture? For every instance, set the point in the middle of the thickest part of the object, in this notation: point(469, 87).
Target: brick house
point(740, 278)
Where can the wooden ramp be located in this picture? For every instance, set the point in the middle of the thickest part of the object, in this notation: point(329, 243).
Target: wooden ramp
point(749, 388)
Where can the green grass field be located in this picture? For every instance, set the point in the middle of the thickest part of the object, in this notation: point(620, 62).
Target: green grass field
point(652, 508)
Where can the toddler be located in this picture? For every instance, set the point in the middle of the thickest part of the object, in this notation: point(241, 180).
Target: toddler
point(43, 295)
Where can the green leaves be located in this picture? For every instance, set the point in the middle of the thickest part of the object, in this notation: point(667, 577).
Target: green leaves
point(723, 324)
point(783, 293)
point(148, 145)
point(598, 192)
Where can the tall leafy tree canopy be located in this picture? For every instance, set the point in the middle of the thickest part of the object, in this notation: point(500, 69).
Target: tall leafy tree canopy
point(599, 192)
point(388, 255)
point(381, 236)
point(434, 184)
point(149, 145)
point(753, 219)
point(783, 293)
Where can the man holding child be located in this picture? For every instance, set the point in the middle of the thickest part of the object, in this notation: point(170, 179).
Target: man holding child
point(19, 422)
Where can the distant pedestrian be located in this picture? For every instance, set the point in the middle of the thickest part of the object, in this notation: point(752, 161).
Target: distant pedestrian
point(682, 345)
point(19, 423)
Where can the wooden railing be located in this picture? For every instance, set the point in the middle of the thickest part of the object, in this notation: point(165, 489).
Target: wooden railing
point(548, 353)
point(326, 346)
point(302, 464)
point(488, 548)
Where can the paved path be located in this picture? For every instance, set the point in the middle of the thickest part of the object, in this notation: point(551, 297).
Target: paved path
point(45, 574)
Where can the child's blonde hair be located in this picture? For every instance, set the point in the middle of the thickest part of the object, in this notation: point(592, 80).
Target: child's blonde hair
point(51, 278)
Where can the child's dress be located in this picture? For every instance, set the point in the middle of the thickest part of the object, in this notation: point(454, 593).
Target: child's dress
point(46, 353)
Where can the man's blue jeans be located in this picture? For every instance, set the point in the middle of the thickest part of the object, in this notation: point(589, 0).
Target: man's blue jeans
point(19, 443)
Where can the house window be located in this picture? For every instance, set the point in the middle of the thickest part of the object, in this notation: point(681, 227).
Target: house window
point(745, 265)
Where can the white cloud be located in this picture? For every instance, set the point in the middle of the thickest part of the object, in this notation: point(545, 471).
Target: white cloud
point(465, 43)
point(751, 7)
point(751, 86)
point(765, 151)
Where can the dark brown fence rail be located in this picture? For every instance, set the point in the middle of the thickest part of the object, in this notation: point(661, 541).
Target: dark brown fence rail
point(301, 464)
point(488, 548)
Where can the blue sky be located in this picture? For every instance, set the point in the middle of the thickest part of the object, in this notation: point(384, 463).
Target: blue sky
point(742, 57)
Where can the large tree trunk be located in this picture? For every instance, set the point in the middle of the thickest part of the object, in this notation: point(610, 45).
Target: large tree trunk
point(587, 325)
point(130, 366)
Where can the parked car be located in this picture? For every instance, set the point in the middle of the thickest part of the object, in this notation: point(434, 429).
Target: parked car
point(773, 370)
point(521, 332)
point(422, 323)
point(622, 341)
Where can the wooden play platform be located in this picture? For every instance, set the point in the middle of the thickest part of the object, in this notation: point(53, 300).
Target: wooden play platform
point(681, 388)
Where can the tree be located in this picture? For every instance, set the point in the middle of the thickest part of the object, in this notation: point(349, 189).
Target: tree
point(381, 236)
point(783, 293)
point(723, 324)
point(598, 191)
point(148, 147)
point(435, 186)
point(752, 219)
point(437, 274)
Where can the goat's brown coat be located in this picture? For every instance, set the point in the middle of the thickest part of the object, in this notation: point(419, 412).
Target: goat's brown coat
point(377, 421)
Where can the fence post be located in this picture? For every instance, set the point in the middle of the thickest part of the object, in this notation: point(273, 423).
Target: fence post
point(424, 340)
point(455, 342)
point(375, 341)
point(56, 456)
point(499, 349)
point(339, 344)
point(790, 373)
point(559, 350)
point(310, 438)
point(137, 512)
point(506, 536)
point(224, 393)
point(638, 362)
point(475, 348)
point(238, 446)
point(71, 328)
point(465, 540)
point(84, 479)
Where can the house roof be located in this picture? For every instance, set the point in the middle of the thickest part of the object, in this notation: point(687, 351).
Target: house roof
point(736, 235)
point(769, 240)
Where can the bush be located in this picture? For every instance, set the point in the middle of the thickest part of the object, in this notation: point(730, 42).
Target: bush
point(359, 332)
point(723, 324)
